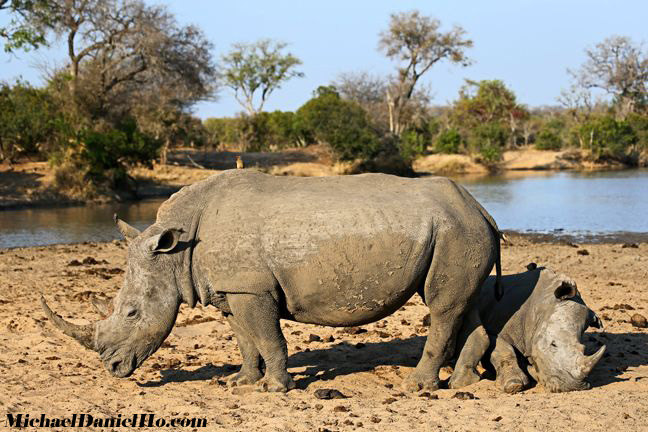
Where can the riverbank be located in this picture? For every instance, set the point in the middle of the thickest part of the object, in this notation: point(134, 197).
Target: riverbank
point(31, 184)
point(185, 377)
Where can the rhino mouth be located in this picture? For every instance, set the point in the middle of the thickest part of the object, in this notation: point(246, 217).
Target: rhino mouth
point(121, 366)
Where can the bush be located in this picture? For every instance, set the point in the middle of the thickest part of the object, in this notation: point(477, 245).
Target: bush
point(449, 141)
point(489, 139)
point(262, 132)
point(549, 137)
point(340, 123)
point(609, 138)
point(27, 120)
point(102, 158)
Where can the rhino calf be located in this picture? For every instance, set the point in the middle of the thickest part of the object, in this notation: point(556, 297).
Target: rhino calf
point(542, 317)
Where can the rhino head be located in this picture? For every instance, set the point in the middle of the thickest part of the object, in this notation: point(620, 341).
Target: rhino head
point(558, 356)
point(144, 311)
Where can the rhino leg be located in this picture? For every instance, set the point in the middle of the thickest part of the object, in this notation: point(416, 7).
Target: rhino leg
point(250, 371)
point(448, 291)
point(473, 342)
point(258, 317)
point(510, 378)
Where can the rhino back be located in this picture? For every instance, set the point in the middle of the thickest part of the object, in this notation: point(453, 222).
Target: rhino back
point(342, 250)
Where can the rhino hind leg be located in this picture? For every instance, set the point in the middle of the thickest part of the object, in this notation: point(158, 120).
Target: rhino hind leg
point(510, 377)
point(473, 342)
point(448, 290)
point(258, 317)
point(250, 371)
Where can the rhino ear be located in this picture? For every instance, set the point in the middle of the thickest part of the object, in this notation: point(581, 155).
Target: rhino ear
point(164, 242)
point(566, 290)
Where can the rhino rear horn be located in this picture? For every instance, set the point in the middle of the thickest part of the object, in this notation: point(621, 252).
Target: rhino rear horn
point(129, 232)
point(103, 306)
point(84, 334)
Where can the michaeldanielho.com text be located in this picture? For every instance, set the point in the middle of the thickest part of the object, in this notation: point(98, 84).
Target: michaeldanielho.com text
point(88, 420)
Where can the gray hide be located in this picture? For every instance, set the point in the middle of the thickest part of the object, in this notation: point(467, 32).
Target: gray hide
point(336, 251)
point(542, 318)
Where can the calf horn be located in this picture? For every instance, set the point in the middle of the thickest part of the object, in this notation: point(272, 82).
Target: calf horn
point(588, 362)
point(84, 334)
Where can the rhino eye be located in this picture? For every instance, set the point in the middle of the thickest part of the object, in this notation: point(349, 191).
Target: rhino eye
point(132, 313)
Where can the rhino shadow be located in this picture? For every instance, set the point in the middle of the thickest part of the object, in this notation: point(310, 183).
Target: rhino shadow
point(624, 350)
point(204, 373)
point(345, 358)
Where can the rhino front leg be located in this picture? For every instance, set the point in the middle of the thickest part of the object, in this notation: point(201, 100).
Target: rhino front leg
point(510, 378)
point(258, 316)
point(250, 371)
point(473, 342)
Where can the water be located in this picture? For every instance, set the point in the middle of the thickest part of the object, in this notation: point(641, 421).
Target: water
point(43, 226)
point(578, 204)
point(582, 205)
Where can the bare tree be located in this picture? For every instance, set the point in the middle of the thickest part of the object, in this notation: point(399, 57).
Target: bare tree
point(617, 66)
point(261, 66)
point(416, 43)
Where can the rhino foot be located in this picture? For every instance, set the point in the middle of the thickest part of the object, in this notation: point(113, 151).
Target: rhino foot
point(274, 384)
point(243, 378)
point(414, 384)
point(463, 377)
point(512, 383)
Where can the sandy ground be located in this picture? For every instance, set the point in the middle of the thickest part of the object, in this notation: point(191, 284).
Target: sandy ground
point(43, 371)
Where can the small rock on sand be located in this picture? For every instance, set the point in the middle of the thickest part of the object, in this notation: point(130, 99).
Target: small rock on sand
point(464, 396)
point(639, 321)
point(329, 394)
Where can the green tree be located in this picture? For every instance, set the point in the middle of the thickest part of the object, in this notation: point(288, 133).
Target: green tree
point(549, 136)
point(28, 23)
point(340, 123)
point(417, 44)
point(28, 120)
point(607, 137)
point(449, 141)
point(254, 71)
point(488, 115)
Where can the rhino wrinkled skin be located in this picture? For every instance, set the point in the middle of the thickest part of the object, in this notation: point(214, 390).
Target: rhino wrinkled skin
point(541, 318)
point(336, 251)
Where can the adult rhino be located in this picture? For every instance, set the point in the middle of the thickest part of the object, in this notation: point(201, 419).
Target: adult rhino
point(336, 251)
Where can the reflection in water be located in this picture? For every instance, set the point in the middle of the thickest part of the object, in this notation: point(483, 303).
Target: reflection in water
point(569, 203)
point(41, 226)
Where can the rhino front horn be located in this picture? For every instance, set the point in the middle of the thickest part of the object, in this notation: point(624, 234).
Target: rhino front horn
point(589, 362)
point(84, 334)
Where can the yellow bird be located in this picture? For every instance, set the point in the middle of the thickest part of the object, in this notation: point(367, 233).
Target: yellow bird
point(239, 162)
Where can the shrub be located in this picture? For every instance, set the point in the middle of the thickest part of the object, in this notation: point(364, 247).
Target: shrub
point(449, 141)
point(27, 120)
point(340, 123)
point(607, 137)
point(549, 137)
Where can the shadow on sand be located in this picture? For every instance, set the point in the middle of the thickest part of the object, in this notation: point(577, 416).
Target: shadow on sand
point(624, 350)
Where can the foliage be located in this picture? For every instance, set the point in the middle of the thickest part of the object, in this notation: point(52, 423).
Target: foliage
point(23, 31)
point(609, 138)
point(449, 141)
point(260, 66)
point(415, 42)
point(549, 137)
point(340, 123)
point(28, 120)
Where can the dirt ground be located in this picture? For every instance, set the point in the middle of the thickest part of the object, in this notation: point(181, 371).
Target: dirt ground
point(43, 371)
